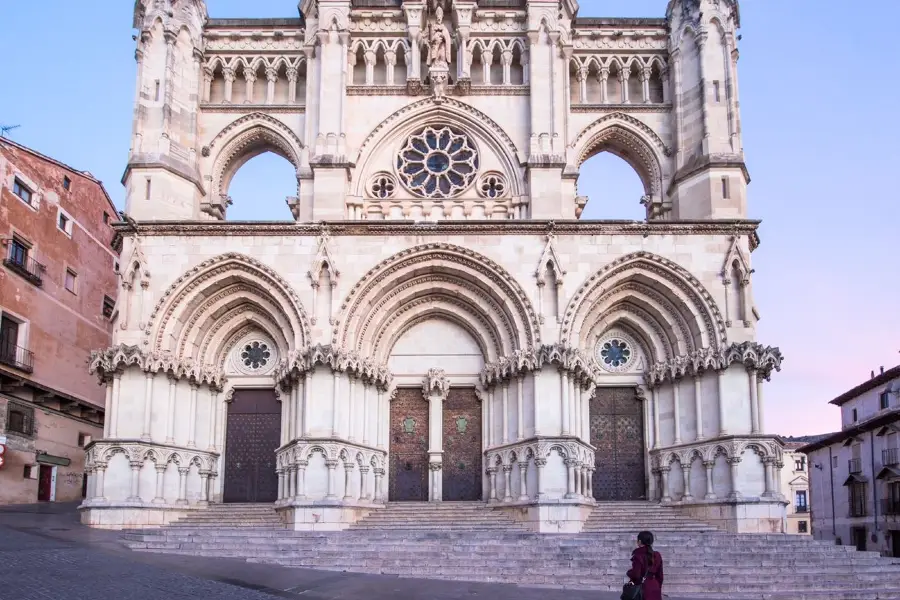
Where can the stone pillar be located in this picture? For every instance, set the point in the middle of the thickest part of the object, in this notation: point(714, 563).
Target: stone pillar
point(710, 490)
point(379, 474)
point(250, 79)
point(624, 76)
point(570, 478)
point(698, 407)
point(108, 407)
point(291, 483)
point(348, 468)
point(99, 475)
point(332, 465)
point(754, 401)
point(434, 482)
point(182, 485)
point(573, 405)
point(676, 395)
point(350, 408)
point(540, 463)
point(379, 429)
point(287, 420)
point(769, 466)
point(664, 473)
point(686, 473)
point(488, 420)
point(301, 479)
point(228, 76)
point(581, 75)
point(655, 395)
point(760, 404)
point(492, 477)
point(148, 405)
point(192, 416)
point(204, 487)
point(590, 483)
point(603, 78)
point(520, 419)
point(363, 488)
point(723, 430)
point(291, 73)
point(507, 483)
point(135, 495)
point(213, 418)
point(645, 83)
point(160, 480)
point(271, 78)
point(435, 388)
point(734, 494)
point(365, 428)
point(207, 83)
point(667, 93)
point(335, 415)
point(704, 94)
point(280, 473)
point(504, 413)
point(170, 415)
point(307, 377)
point(114, 405)
point(564, 392)
point(523, 481)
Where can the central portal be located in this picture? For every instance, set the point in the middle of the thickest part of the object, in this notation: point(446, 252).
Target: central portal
point(251, 438)
point(462, 445)
point(617, 433)
point(408, 447)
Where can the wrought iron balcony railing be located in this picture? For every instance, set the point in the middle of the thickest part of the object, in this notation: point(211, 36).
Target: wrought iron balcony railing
point(801, 509)
point(25, 266)
point(855, 465)
point(16, 357)
point(890, 456)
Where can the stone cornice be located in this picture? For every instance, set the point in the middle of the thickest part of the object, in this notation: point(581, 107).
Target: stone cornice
point(440, 228)
point(625, 108)
point(522, 362)
point(754, 356)
point(106, 363)
point(298, 362)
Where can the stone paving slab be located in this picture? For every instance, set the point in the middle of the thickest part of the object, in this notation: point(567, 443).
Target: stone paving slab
point(46, 554)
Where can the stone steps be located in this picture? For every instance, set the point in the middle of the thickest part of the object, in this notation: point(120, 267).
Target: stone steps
point(471, 542)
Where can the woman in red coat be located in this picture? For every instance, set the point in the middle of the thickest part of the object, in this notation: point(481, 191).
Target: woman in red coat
point(647, 566)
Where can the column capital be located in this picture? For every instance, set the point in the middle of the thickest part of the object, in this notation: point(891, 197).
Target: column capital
point(436, 383)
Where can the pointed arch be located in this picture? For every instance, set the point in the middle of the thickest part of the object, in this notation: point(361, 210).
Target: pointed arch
point(662, 292)
point(398, 126)
point(208, 301)
point(437, 280)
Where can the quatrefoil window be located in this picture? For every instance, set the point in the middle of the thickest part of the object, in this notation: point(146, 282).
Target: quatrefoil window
point(437, 163)
point(382, 186)
point(256, 355)
point(492, 185)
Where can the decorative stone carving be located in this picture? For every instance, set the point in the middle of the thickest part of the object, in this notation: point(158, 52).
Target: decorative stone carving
point(436, 383)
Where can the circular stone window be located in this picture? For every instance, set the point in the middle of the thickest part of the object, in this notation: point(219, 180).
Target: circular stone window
point(615, 353)
point(255, 355)
point(437, 162)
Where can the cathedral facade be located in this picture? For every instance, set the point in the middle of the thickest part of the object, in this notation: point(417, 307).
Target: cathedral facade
point(436, 323)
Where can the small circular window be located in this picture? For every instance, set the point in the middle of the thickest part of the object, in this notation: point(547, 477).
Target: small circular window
point(256, 355)
point(615, 353)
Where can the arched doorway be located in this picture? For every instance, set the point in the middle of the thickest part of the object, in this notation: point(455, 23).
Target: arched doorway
point(252, 435)
point(617, 433)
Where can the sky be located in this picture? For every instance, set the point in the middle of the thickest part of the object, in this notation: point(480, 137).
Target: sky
point(819, 83)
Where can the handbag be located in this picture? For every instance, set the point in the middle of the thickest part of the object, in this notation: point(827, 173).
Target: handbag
point(632, 591)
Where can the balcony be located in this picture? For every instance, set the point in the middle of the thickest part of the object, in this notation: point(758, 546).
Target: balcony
point(801, 509)
point(890, 457)
point(890, 506)
point(25, 266)
point(857, 511)
point(16, 357)
point(855, 465)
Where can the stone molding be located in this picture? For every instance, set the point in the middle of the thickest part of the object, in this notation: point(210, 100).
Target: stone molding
point(441, 229)
point(769, 448)
point(539, 448)
point(116, 359)
point(522, 362)
point(339, 360)
point(753, 355)
point(299, 451)
point(99, 453)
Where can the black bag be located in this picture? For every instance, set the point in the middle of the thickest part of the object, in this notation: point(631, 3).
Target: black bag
point(631, 591)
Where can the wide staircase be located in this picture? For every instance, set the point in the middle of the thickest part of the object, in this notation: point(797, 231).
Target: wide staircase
point(471, 542)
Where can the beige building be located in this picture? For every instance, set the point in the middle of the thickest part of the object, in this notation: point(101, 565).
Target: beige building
point(795, 488)
point(436, 323)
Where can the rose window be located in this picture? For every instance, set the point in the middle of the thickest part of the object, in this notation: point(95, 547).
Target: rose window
point(437, 163)
point(256, 355)
point(615, 352)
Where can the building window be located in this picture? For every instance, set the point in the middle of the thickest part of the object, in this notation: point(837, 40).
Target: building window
point(84, 439)
point(716, 91)
point(19, 259)
point(884, 400)
point(725, 191)
point(64, 223)
point(800, 503)
point(800, 463)
point(834, 462)
point(855, 415)
point(67, 183)
point(18, 252)
point(71, 281)
point(802, 527)
point(147, 191)
point(20, 420)
point(105, 218)
point(857, 493)
point(22, 191)
point(109, 306)
point(156, 92)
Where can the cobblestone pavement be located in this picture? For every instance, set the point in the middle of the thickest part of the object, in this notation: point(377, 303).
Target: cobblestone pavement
point(46, 554)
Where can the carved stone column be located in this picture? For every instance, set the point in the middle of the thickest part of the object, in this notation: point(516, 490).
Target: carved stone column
point(769, 467)
point(664, 473)
point(160, 480)
point(754, 401)
point(228, 76)
point(507, 483)
point(332, 465)
point(523, 481)
point(492, 478)
point(280, 473)
point(540, 463)
point(581, 75)
point(170, 414)
point(363, 488)
point(686, 473)
point(204, 487)
point(379, 475)
point(603, 78)
point(435, 388)
point(135, 495)
point(148, 405)
point(734, 494)
point(645, 83)
point(570, 478)
point(192, 416)
point(623, 85)
point(301, 479)
point(250, 79)
point(710, 490)
point(271, 78)
point(348, 469)
point(698, 407)
point(435, 493)
point(182, 485)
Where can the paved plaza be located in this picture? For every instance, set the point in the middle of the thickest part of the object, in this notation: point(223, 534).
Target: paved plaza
point(45, 553)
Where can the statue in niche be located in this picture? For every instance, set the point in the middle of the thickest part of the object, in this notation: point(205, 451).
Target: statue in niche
point(437, 41)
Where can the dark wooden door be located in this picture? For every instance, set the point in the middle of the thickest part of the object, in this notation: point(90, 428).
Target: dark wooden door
point(617, 432)
point(9, 339)
point(253, 434)
point(45, 483)
point(409, 446)
point(462, 445)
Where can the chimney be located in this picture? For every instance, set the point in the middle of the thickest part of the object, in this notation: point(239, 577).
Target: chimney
point(872, 375)
point(882, 370)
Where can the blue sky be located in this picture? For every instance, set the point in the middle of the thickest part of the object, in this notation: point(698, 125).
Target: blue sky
point(819, 84)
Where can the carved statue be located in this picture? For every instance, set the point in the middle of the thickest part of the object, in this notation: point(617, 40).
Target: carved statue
point(438, 40)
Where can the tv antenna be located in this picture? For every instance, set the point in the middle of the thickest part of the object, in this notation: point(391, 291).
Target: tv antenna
point(4, 129)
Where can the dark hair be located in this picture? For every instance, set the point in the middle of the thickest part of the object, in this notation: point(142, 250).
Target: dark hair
point(646, 539)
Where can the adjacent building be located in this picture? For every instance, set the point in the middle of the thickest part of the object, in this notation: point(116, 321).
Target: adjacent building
point(855, 473)
point(795, 487)
point(57, 293)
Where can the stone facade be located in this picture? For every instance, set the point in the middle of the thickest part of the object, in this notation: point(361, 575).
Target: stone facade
point(57, 290)
point(436, 247)
point(855, 473)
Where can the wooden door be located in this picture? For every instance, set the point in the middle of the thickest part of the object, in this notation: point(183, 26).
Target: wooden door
point(617, 433)
point(253, 434)
point(45, 483)
point(461, 469)
point(408, 480)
